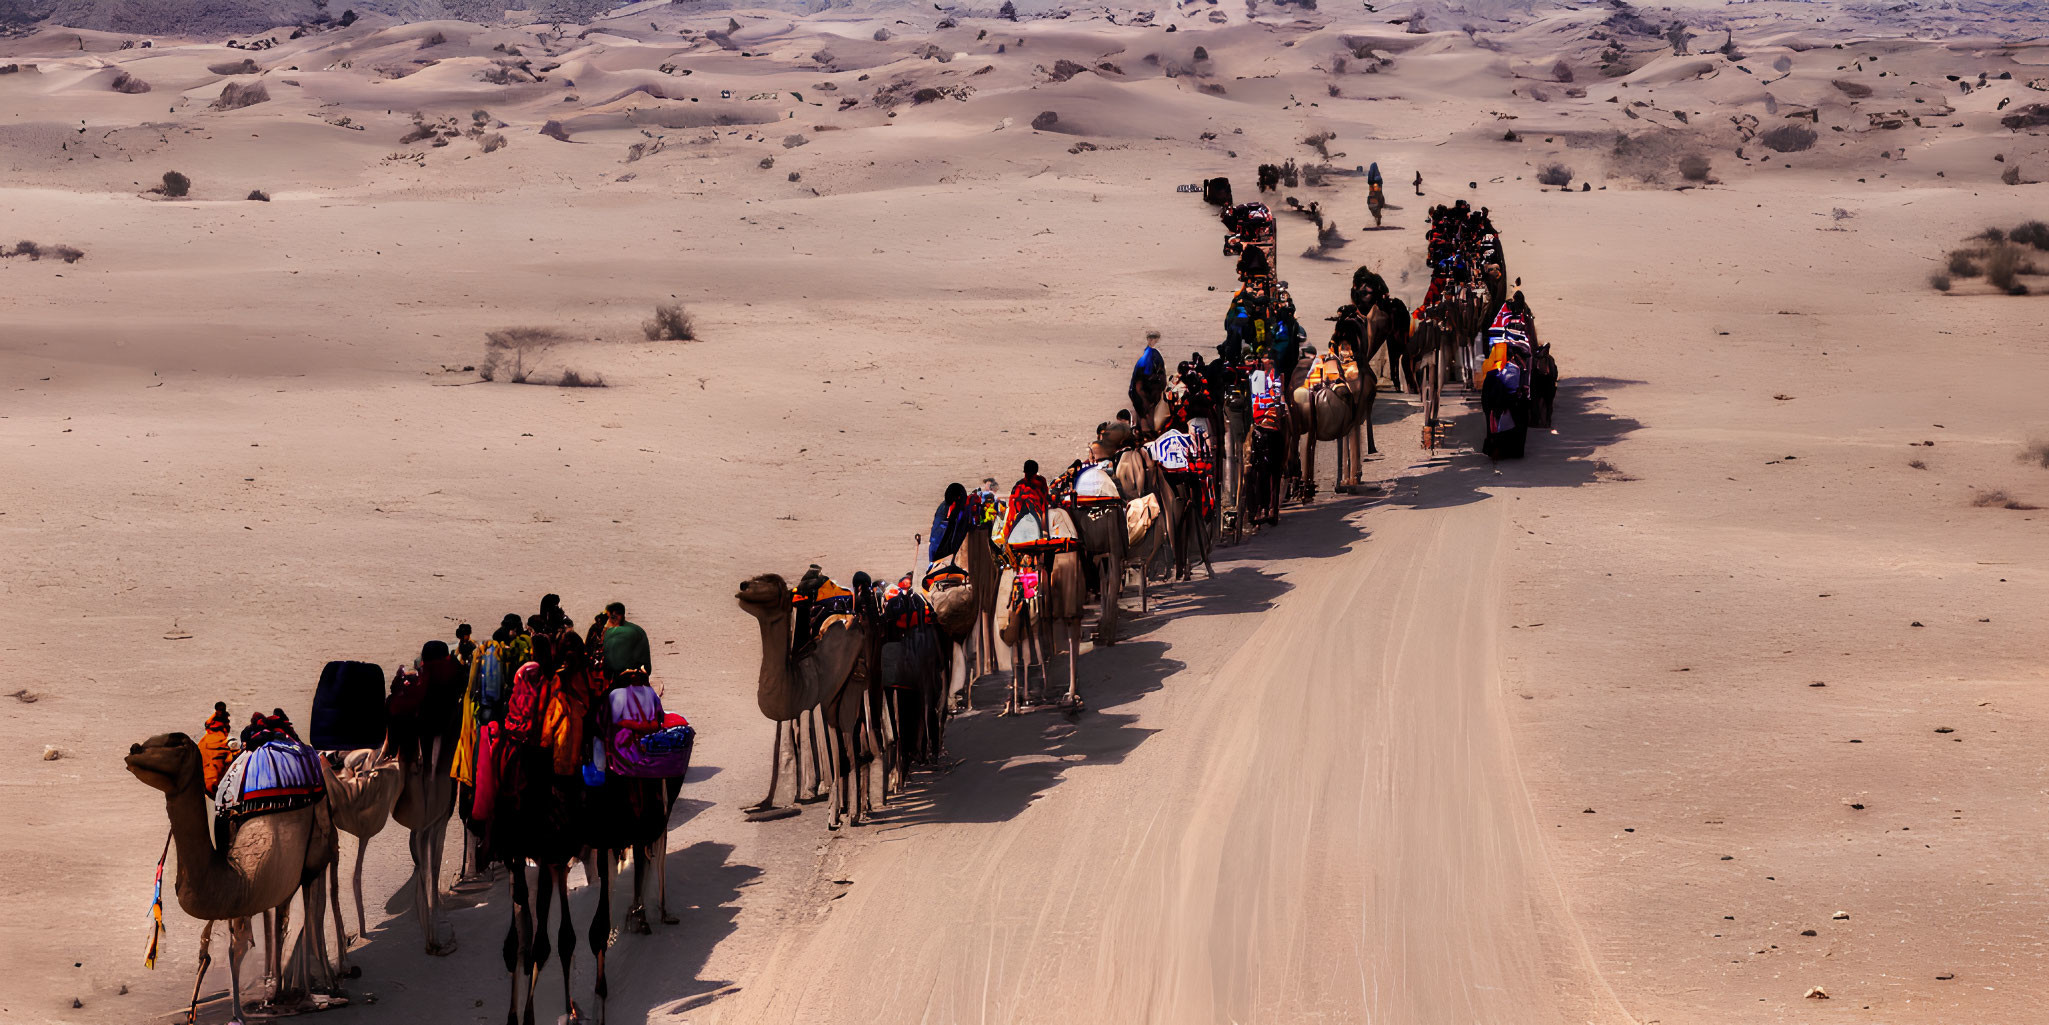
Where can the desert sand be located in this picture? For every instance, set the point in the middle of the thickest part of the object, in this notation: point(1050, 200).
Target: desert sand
point(1746, 648)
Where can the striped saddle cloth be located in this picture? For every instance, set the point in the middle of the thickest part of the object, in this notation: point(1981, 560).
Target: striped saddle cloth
point(282, 775)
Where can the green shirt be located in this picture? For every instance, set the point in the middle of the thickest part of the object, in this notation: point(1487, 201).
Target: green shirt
point(626, 648)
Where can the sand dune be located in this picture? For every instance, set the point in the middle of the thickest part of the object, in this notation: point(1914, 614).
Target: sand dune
point(1532, 742)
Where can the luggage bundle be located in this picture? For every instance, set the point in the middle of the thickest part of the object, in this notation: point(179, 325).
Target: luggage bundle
point(349, 710)
point(638, 739)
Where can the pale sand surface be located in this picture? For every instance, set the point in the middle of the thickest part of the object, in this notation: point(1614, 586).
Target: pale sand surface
point(1344, 780)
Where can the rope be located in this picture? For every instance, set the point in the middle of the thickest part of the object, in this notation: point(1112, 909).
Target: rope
point(156, 908)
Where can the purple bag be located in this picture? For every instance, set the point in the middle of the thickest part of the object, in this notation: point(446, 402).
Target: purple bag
point(642, 741)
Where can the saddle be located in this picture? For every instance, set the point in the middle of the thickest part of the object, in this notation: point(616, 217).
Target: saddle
point(819, 602)
point(281, 775)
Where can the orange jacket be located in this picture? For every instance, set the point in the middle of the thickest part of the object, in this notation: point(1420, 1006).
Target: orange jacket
point(214, 757)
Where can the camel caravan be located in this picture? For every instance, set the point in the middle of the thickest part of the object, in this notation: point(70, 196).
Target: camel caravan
point(546, 745)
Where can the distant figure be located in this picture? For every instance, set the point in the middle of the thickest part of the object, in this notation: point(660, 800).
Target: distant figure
point(1148, 382)
point(214, 752)
point(625, 644)
point(1419, 183)
point(594, 639)
point(465, 648)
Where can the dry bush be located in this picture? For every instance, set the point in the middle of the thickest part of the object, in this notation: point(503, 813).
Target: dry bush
point(2036, 452)
point(572, 379)
point(1320, 142)
point(34, 251)
point(2012, 174)
point(1962, 265)
point(513, 351)
point(1555, 174)
point(671, 323)
point(491, 142)
point(127, 83)
point(258, 196)
point(1338, 64)
point(236, 95)
point(1916, 464)
point(2030, 233)
point(176, 185)
point(245, 66)
point(433, 41)
point(1854, 90)
point(1694, 168)
point(1939, 281)
point(25, 248)
point(1788, 138)
point(1561, 72)
point(68, 254)
point(1993, 235)
point(2003, 265)
point(1997, 499)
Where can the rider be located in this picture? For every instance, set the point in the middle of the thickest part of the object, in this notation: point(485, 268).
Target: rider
point(1148, 376)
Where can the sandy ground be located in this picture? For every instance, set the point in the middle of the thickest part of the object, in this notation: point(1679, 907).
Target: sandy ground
point(1536, 742)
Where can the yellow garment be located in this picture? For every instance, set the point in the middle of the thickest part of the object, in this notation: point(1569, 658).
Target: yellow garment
point(464, 770)
point(1329, 368)
point(562, 720)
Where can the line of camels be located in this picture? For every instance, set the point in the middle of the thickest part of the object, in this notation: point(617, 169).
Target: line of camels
point(864, 698)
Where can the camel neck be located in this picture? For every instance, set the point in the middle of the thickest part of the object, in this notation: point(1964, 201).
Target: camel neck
point(190, 832)
point(775, 652)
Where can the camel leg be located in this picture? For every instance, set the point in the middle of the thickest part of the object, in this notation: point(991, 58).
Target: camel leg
point(537, 953)
point(313, 935)
point(239, 943)
point(636, 912)
point(1073, 656)
point(205, 959)
point(341, 922)
point(421, 883)
point(775, 766)
point(362, 843)
point(565, 940)
point(601, 923)
point(517, 931)
point(813, 729)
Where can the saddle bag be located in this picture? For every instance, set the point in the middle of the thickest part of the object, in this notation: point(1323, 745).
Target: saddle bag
point(641, 740)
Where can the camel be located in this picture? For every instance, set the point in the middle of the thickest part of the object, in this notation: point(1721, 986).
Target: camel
point(1064, 588)
point(1103, 533)
point(977, 555)
point(830, 674)
point(1543, 385)
point(360, 799)
point(426, 800)
point(261, 862)
point(625, 814)
point(1137, 476)
point(1327, 411)
point(956, 601)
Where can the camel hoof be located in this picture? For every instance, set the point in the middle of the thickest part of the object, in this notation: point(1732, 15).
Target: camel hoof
point(636, 922)
point(669, 919)
point(441, 949)
point(355, 972)
point(772, 814)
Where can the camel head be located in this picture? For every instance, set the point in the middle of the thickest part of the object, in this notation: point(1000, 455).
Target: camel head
point(763, 596)
point(168, 762)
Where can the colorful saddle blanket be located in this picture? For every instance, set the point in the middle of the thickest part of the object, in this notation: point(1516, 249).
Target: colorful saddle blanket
point(282, 775)
point(1096, 484)
point(819, 609)
point(1173, 450)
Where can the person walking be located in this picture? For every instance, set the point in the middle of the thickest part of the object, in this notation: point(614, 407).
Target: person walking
point(625, 643)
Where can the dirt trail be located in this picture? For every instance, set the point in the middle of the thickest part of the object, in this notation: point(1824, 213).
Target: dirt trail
point(1328, 825)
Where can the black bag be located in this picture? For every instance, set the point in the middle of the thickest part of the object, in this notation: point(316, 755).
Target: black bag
point(1216, 191)
point(348, 707)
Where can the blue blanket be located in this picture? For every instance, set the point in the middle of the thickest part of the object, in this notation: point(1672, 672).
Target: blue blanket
point(282, 775)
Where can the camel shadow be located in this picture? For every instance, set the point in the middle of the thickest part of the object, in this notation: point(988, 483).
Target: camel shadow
point(663, 968)
point(1565, 459)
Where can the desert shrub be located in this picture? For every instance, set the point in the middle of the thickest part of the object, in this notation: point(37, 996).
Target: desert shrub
point(1320, 142)
point(1997, 499)
point(572, 379)
point(1008, 11)
point(1561, 72)
point(236, 95)
point(433, 41)
point(1992, 235)
point(258, 196)
point(767, 162)
point(26, 248)
point(1338, 64)
point(2002, 265)
point(1555, 174)
point(176, 185)
point(491, 142)
point(513, 350)
point(245, 66)
point(1201, 54)
point(2030, 233)
point(2012, 174)
point(671, 323)
point(1854, 90)
point(1963, 265)
point(925, 95)
point(127, 83)
point(1939, 281)
point(2036, 452)
point(68, 254)
point(1788, 138)
point(1694, 168)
